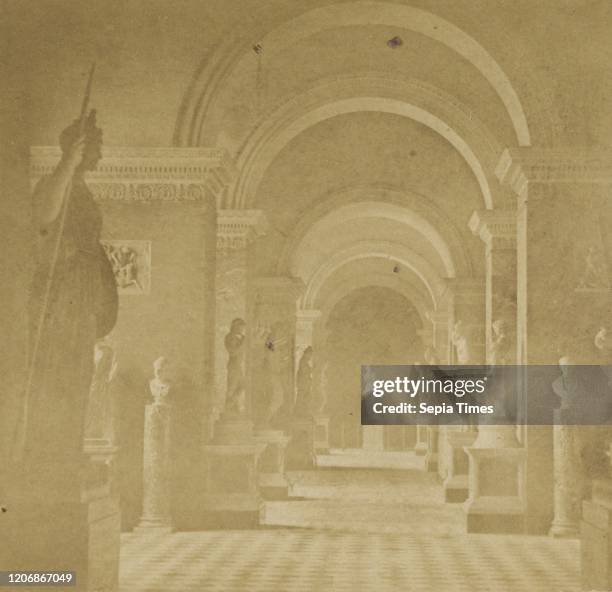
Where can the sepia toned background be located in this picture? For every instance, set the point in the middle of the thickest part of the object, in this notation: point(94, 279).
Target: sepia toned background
point(361, 183)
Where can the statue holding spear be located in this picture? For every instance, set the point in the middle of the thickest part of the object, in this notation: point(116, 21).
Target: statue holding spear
point(73, 298)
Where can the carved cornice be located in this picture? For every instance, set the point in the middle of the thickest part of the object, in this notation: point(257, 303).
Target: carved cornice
point(463, 288)
point(517, 167)
point(237, 228)
point(496, 228)
point(281, 289)
point(148, 174)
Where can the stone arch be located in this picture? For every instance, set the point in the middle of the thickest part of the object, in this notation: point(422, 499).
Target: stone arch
point(271, 137)
point(214, 70)
point(412, 294)
point(381, 200)
point(433, 284)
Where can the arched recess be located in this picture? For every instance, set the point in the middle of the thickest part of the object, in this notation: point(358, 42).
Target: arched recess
point(380, 201)
point(393, 252)
point(270, 138)
point(214, 70)
point(369, 210)
point(419, 300)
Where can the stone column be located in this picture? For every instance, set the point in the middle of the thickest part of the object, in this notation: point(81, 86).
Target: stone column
point(274, 366)
point(440, 354)
point(309, 334)
point(562, 213)
point(465, 303)
point(433, 443)
point(305, 328)
point(440, 331)
point(274, 313)
point(497, 229)
point(568, 479)
point(236, 232)
point(156, 517)
point(465, 300)
point(502, 508)
point(232, 490)
point(321, 381)
point(420, 448)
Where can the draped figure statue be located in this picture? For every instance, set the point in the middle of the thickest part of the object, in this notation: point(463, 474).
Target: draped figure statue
point(73, 299)
point(304, 402)
point(235, 403)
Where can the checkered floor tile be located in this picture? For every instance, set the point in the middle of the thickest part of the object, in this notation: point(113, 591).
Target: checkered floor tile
point(348, 543)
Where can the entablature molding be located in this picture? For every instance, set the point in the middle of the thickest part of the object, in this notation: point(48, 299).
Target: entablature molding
point(143, 174)
point(237, 228)
point(517, 167)
point(279, 289)
point(496, 228)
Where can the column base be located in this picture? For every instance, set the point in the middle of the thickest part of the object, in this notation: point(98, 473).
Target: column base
point(495, 515)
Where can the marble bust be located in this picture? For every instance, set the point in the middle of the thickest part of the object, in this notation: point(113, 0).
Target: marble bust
point(160, 383)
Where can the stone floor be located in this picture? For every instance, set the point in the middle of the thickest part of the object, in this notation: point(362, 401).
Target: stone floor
point(352, 530)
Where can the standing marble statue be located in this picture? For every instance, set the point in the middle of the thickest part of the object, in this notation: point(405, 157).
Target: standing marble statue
point(324, 386)
point(501, 343)
point(235, 403)
point(460, 341)
point(303, 402)
point(100, 411)
point(272, 365)
point(73, 299)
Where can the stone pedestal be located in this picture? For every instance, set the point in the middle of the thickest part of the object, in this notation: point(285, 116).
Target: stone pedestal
point(300, 452)
point(456, 486)
point(431, 457)
point(568, 479)
point(232, 498)
point(496, 502)
point(596, 538)
point(272, 481)
point(63, 515)
point(321, 434)
point(156, 516)
point(420, 448)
